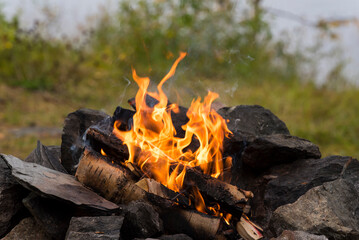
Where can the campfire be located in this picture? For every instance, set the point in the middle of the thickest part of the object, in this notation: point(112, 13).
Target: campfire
point(164, 171)
point(181, 165)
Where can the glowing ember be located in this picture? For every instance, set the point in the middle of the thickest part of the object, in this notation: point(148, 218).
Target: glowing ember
point(163, 156)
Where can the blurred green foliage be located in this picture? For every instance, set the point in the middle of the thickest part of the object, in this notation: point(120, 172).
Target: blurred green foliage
point(233, 54)
point(221, 44)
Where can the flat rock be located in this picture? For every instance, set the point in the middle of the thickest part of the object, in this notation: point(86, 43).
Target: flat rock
point(331, 209)
point(141, 221)
point(27, 229)
point(46, 156)
point(253, 119)
point(102, 227)
point(53, 184)
point(11, 194)
point(299, 235)
point(270, 150)
point(75, 126)
point(290, 181)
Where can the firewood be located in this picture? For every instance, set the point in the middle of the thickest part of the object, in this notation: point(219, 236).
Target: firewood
point(110, 144)
point(231, 198)
point(194, 224)
point(248, 230)
point(227, 195)
point(113, 181)
point(119, 185)
point(153, 187)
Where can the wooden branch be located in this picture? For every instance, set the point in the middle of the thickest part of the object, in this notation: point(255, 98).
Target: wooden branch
point(195, 224)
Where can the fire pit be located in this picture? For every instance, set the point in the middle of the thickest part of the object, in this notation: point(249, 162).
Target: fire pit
point(167, 172)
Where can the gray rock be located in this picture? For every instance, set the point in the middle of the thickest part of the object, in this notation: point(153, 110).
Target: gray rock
point(299, 235)
point(53, 216)
point(103, 227)
point(72, 143)
point(11, 194)
point(331, 209)
point(141, 221)
point(267, 151)
point(175, 237)
point(46, 156)
point(290, 181)
point(253, 119)
point(49, 183)
point(27, 229)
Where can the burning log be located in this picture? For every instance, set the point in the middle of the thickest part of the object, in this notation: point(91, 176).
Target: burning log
point(110, 144)
point(118, 184)
point(195, 224)
point(114, 182)
point(228, 196)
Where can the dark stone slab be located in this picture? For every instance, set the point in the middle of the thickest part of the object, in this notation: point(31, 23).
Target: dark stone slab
point(102, 227)
point(175, 237)
point(11, 194)
point(290, 181)
point(53, 216)
point(27, 229)
point(299, 235)
point(168, 237)
point(46, 156)
point(253, 120)
point(267, 151)
point(49, 183)
point(75, 126)
point(331, 209)
point(141, 221)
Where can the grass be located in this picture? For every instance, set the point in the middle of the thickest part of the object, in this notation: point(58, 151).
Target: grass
point(43, 79)
point(324, 116)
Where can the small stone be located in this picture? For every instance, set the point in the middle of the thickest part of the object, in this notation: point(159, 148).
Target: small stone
point(141, 221)
point(27, 229)
point(299, 235)
point(103, 227)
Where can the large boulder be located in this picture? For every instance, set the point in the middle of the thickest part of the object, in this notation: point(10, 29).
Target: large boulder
point(290, 181)
point(260, 139)
point(331, 209)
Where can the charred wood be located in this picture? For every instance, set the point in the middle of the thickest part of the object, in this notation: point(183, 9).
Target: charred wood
point(75, 125)
point(231, 198)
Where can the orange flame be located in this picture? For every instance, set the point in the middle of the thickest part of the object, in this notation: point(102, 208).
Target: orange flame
point(163, 156)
